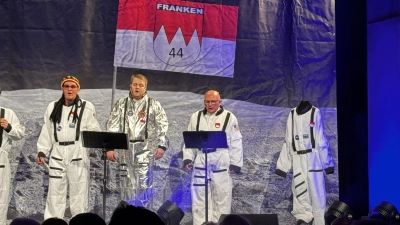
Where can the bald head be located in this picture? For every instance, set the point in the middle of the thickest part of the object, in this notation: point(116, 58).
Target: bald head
point(212, 101)
point(212, 93)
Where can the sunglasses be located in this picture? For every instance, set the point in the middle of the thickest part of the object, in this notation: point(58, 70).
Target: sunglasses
point(65, 86)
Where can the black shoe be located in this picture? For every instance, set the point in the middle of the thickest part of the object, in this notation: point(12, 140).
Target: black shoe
point(302, 222)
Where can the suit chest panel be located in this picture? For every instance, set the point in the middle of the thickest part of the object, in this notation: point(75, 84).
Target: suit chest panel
point(211, 123)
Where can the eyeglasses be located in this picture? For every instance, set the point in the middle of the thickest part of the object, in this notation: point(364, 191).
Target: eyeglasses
point(66, 86)
point(138, 85)
point(212, 102)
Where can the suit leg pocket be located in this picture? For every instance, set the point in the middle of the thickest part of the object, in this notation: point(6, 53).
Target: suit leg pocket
point(300, 186)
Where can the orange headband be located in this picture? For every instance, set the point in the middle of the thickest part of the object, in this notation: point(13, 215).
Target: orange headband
point(70, 78)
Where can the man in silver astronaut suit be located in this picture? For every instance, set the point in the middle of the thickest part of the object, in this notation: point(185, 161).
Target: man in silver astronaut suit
point(146, 123)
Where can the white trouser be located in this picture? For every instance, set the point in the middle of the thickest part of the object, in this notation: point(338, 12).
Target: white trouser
point(5, 179)
point(219, 186)
point(69, 166)
point(308, 187)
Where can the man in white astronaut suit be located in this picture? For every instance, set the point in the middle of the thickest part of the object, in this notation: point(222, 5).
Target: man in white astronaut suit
point(307, 151)
point(60, 141)
point(221, 163)
point(10, 130)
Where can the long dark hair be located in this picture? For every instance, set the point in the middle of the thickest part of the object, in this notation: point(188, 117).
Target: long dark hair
point(57, 110)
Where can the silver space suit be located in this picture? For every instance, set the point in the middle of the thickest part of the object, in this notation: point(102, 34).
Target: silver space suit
point(146, 124)
point(15, 131)
point(307, 151)
point(68, 161)
point(220, 163)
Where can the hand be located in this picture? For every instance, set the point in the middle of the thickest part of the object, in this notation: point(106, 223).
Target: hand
point(40, 160)
point(3, 123)
point(189, 167)
point(111, 155)
point(159, 153)
point(232, 172)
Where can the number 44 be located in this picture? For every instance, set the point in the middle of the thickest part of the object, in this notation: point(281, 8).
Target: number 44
point(179, 53)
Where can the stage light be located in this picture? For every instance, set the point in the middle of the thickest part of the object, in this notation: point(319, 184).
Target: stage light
point(336, 210)
point(170, 213)
point(342, 221)
point(385, 211)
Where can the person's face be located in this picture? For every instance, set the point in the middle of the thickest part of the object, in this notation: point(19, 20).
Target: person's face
point(138, 88)
point(212, 102)
point(70, 90)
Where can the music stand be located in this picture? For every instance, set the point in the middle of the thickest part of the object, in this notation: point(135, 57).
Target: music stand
point(207, 141)
point(104, 140)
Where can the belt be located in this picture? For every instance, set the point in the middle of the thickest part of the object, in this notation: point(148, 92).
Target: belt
point(65, 143)
point(135, 141)
point(207, 150)
point(301, 152)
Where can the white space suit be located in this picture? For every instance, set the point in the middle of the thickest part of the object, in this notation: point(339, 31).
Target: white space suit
point(68, 161)
point(146, 124)
point(307, 151)
point(220, 163)
point(15, 131)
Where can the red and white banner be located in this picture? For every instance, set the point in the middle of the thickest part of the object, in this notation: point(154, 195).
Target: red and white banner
point(178, 36)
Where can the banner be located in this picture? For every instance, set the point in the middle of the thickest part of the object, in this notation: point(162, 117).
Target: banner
point(177, 36)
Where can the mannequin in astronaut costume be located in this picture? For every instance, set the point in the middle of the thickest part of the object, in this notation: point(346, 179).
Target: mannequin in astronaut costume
point(60, 141)
point(10, 130)
point(145, 122)
point(221, 163)
point(307, 151)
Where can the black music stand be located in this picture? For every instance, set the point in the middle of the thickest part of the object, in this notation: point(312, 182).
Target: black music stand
point(207, 141)
point(104, 140)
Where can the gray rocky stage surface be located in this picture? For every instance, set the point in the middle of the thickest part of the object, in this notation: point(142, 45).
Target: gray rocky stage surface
point(256, 191)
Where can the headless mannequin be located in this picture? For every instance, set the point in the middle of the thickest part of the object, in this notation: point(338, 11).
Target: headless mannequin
point(303, 107)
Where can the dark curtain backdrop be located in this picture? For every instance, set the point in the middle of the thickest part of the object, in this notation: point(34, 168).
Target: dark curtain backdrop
point(285, 50)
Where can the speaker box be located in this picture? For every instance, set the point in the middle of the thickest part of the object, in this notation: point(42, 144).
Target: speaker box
point(257, 219)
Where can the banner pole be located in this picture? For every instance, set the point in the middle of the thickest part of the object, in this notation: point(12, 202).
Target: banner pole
point(114, 84)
